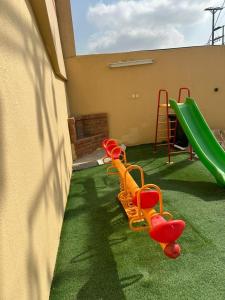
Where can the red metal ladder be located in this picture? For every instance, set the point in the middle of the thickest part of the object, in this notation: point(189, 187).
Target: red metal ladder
point(168, 131)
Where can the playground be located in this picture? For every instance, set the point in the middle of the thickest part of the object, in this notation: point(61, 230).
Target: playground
point(147, 221)
point(101, 258)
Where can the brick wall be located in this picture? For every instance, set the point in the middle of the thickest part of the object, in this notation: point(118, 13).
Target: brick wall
point(95, 124)
point(87, 132)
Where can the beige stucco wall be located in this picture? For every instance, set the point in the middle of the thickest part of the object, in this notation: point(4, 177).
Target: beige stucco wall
point(101, 89)
point(64, 13)
point(46, 18)
point(35, 157)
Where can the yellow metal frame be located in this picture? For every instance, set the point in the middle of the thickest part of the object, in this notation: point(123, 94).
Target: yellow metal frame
point(128, 189)
point(148, 213)
point(125, 196)
point(123, 159)
point(139, 218)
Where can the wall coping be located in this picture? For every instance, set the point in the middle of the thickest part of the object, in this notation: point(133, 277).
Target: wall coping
point(45, 14)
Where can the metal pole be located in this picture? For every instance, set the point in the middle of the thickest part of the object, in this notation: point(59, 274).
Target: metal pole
point(213, 11)
point(223, 35)
point(213, 21)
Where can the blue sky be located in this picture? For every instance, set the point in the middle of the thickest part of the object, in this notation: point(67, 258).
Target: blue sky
point(105, 26)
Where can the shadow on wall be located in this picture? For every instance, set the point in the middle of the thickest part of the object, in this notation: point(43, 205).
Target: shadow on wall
point(53, 178)
point(2, 153)
point(2, 174)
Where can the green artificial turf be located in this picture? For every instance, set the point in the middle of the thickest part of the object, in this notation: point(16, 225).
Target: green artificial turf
point(100, 258)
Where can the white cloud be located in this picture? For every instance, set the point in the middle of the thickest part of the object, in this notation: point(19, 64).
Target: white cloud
point(144, 24)
point(135, 39)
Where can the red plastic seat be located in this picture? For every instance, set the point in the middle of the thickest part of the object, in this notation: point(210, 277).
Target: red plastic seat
point(108, 142)
point(114, 154)
point(166, 231)
point(149, 198)
point(104, 143)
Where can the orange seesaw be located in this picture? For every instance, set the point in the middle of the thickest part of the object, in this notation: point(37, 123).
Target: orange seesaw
point(139, 202)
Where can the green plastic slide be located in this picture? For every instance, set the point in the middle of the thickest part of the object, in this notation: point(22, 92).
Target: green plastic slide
point(201, 138)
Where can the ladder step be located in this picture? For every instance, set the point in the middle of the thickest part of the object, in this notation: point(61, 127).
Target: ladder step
point(164, 122)
point(163, 130)
point(164, 105)
point(166, 137)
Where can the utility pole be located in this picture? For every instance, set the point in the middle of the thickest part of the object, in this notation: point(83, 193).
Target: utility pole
point(223, 35)
point(214, 10)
